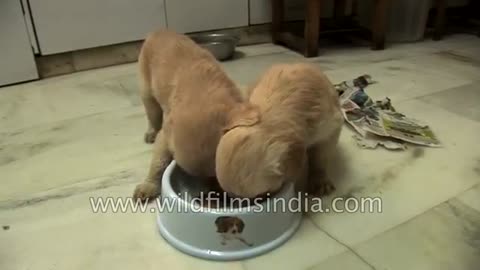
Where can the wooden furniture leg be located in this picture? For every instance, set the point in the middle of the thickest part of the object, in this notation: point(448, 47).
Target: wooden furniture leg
point(308, 45)
point(379, 24)
point(312, 28)
point(277, 19)
point(440, 6)
point(339, 9)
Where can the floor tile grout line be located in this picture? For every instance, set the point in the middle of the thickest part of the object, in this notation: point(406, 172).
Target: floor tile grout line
point(421, 213)
point(359, 63)
point(343, 244)
point(73, 189)
point(438, 92)
point(80, 75)
point(49, 123)
point(385, 231)
point(399, 58)
point(463, 204)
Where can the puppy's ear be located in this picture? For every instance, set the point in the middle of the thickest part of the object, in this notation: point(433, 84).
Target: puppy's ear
point(219, 220)
point(243, 115)
point(240, 225)
point(221, 225)
point(277, 156)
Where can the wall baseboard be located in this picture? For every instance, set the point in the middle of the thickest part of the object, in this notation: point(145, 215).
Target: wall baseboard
point(75, 61)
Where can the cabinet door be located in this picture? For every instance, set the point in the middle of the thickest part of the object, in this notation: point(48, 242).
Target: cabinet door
point(187, 16)
point(17, 62)
point(66, 25)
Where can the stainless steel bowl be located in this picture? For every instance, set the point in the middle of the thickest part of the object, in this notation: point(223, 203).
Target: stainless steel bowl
point(222, 46)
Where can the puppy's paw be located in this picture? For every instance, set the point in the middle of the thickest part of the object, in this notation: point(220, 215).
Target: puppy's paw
point(325, 188)
point(146, 191)
point(150, 136)
point(320, 188)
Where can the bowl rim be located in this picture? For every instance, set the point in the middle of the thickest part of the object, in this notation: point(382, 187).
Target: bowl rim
point(215, 37)
point(168, 189)
point(214, 43)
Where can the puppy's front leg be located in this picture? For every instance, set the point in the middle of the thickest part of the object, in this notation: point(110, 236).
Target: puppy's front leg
point(319, 183)
point(244, 241)
point(162, 157)
point(224, 240)
point(320, 157)
point(155, 117)
point(299, 173)
point(301, 185)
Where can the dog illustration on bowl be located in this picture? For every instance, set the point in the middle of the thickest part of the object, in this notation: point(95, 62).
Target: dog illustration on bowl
point(231, 228)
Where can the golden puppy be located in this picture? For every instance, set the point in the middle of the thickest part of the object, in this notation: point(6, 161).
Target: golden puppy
point(299, 129)
point(188, 100)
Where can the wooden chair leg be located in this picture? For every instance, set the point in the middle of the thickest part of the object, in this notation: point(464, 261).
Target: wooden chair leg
point(379, 24)
point(440, 6)
point(312, 28)
point(339, 9)
point(277, 19)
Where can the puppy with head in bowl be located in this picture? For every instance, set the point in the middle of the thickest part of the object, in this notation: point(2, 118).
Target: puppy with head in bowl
point(189, 101)
point(295, 139)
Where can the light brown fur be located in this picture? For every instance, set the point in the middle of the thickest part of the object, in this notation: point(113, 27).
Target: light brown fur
point(189, 101)
point(300, 125)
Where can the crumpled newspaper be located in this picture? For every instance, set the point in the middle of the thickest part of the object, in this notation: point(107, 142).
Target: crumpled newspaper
point(372, 143)
point(377, 122)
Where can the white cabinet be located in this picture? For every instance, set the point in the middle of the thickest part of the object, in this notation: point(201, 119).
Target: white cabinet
point(260, 11)
point(67, 25)
point(187, 16)
point(17, 62)
point(29, 23)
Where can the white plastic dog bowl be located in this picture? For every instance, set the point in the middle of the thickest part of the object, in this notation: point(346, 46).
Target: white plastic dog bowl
point(223, 233)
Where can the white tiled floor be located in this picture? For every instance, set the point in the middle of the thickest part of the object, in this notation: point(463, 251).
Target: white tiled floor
point(445, 237)
point(69, 138)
